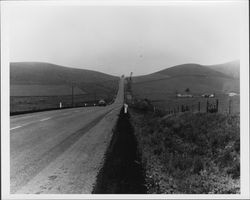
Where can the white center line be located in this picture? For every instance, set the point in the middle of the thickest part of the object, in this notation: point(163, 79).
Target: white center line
point(45, 119)
point(30, 123)
point(15, 127)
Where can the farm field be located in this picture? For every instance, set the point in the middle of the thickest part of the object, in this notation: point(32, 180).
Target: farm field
point(43, 90)
point(35, 103)
point(166, 101)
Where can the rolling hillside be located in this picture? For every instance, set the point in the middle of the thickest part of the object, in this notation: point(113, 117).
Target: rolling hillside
point(199, 79)
point(230, 68)
point(35, 78)
point(43, 90)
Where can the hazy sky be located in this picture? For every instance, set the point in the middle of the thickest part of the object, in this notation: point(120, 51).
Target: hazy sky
point(120, 39)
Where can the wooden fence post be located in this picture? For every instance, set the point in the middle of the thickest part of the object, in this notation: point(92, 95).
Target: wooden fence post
point(207, 106)
point(217, 105)
point(229, 109)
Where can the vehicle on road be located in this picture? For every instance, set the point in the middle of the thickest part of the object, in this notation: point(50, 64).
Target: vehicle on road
point(184, 95)
point(102, 103)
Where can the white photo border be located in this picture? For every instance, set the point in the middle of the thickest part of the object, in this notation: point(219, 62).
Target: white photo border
point(244, 99)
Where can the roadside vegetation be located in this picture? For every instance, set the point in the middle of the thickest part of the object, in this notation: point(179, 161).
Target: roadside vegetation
point(189, 153)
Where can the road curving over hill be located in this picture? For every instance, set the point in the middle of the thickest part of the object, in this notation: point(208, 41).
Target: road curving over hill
point(61, 151)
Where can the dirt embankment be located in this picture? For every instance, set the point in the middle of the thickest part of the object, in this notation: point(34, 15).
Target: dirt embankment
point(122, 172)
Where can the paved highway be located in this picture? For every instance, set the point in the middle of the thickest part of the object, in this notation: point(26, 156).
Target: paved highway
point(61, 151)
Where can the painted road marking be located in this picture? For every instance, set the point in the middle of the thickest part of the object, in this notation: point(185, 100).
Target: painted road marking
point(15, 127)
point(30, 123)
point(45, 119)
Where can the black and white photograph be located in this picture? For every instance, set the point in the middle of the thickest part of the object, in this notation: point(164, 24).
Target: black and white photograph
point(116, 99)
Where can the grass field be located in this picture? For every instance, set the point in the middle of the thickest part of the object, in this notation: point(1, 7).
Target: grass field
point(166, 101)
point(40, 97)
point(43, 90)
point(35, 103)
point(189, 153)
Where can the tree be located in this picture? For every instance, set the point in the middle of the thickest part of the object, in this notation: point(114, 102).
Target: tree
point(187, 90)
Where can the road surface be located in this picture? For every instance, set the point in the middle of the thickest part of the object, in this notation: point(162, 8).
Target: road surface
point(61, 151)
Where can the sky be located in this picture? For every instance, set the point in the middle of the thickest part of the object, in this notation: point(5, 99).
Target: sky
point(122, 39)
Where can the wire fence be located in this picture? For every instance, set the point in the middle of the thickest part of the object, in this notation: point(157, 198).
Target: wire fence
point(226, 106)
point(222, 104)
point(170, 103)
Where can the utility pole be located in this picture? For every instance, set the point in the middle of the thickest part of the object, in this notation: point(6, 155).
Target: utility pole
point(217, 105)
point(229, 109)
point(131, 73)
point(72, 96)
point(207, 106)
point(130, 82)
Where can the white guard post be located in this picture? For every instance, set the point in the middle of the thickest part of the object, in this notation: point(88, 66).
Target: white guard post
point(125, 108)
point(60, 105)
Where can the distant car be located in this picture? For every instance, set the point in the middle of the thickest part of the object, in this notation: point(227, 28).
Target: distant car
point(102, 103)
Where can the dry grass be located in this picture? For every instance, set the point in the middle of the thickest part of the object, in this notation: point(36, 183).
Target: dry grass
point(189, 153)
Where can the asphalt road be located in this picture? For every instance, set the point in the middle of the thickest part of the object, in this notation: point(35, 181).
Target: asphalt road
point(61, 151)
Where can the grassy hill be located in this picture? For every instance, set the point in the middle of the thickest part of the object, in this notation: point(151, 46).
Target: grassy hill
point(45, 74)
point(43, 90)
point(198, 78)
point(161, 87)
point(39, 86)
point(231, 68)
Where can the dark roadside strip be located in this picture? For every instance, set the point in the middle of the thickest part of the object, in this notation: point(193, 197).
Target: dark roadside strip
point(122, 172)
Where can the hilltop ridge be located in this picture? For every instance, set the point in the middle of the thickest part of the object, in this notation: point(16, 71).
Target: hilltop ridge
point(197, 77)
point(38, 73)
